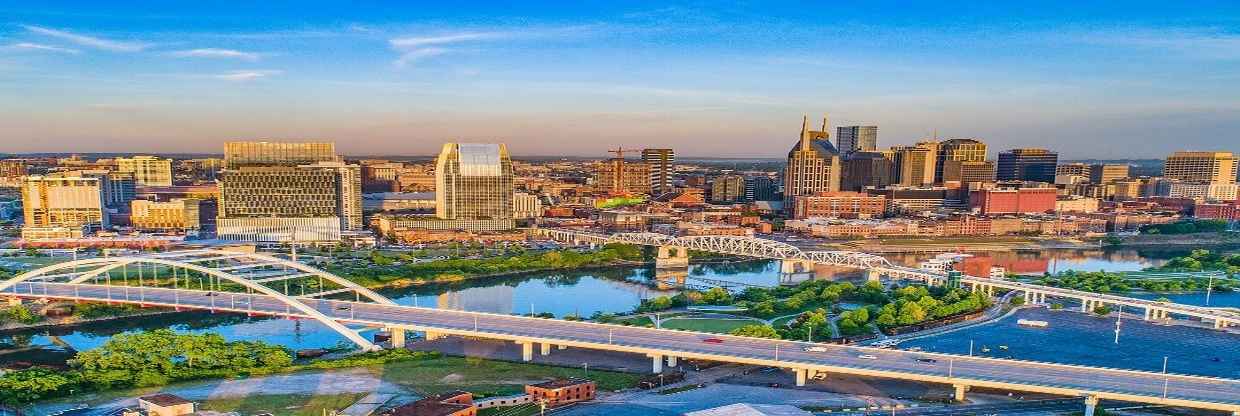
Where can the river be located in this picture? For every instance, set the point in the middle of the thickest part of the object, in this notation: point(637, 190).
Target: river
point(581, 293)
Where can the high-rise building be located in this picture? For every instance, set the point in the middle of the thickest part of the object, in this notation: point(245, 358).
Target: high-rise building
point(1037, 165)
point(1105, 173)
point(238, 154)
point(287, 192)
point(968, 172)
point(661, 164)
point(850, 139)
point(178, 214)
point(118, 188)
point(761, 188)
point(1201, 167)
point(814, 165)
point(914, 165)
point(964, 150)
point(147, 170)
point(11, 173)
point(618, 176)
point(1073, 169)
point(473, 181)
point(61, 206)
point(727, 188)
point(862, 169)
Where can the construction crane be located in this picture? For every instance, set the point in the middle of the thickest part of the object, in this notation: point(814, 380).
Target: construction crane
point(620, 151)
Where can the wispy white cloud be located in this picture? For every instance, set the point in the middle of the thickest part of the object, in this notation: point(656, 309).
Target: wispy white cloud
point(88, 41)
point(416, 48)
point(217, 53)
point(27, 46)
point(421, 41)
point(1207, 43)
point(247, 75)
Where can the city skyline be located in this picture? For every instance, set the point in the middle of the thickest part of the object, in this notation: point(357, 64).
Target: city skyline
point(723, 81)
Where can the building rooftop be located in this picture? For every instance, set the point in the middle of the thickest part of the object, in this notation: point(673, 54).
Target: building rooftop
point(164, 399)
point(561, 383)
point(435, 405)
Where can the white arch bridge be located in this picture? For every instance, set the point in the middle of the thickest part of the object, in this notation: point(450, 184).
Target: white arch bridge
point(227, 280)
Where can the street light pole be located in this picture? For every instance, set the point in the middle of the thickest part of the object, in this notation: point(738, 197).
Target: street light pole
point(1166, 378)
point(1118, 319)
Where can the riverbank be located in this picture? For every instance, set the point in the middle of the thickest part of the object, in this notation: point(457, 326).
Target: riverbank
point(1195, 239)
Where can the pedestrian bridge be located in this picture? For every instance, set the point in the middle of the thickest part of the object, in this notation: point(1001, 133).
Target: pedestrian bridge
point(878, 266)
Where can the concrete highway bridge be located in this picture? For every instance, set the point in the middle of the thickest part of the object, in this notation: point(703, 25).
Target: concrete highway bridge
point(673, 252)
point(260, 284)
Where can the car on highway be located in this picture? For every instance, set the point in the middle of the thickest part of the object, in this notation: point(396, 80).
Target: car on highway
point(342, 307)
point(867, 357)
point(815, 348)
point(713, 341)
point(927, 360)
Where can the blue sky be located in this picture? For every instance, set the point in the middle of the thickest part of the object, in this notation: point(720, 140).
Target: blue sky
point(1090, 79)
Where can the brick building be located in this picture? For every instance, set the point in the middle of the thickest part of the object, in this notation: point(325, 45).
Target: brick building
point(455, 403)
point(1013, 201)
point(839, 205)
point(561, 392)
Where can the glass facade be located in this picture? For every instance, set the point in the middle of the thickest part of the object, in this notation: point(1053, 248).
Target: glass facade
point(473, 182)
point(238, 154)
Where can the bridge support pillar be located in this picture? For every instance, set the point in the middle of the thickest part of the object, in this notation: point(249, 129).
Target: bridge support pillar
point(671, 257)
point(1091, 405)
point(562, 347)
point(546, 349)
point(657, 361)
point(527, 351)
point(802, 375)
point(960, 390)
point(790, 266)
point(872, 275)
point(1084, 305)
point(396, 337)
point(671, 361)
point(431, 336)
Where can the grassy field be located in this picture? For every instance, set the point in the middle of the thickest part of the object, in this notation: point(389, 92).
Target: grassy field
point(489, 378)
point(718, 326)
point(282, 404)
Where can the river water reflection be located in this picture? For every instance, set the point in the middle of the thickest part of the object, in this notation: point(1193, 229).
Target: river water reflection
point(582, 292)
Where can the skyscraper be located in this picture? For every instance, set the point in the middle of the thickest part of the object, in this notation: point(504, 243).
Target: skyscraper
point(1201, 167)
point(147, 170)
point(851, 139)
point(237, 154)
point(473, 181)
point(1027, 165)
point(964, 150)
point(914, 165)
point(660, 163)
point(863, 169)
point(619, 176)
point(813, 165)
point(61, 205)
point(287, 192)
point(761, 188)
point(727, 188)
point(1105, 173)
point(967, 172)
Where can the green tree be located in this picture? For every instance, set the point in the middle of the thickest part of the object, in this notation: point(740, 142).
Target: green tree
point(717, 296)
point(756, 331)
point(911, 313)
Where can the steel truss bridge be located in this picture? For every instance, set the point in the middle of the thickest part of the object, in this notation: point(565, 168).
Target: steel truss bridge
point(261, 284)
point(877, 266)
point(723, 244)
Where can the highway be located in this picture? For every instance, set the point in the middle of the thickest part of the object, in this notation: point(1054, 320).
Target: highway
point(1125, 385)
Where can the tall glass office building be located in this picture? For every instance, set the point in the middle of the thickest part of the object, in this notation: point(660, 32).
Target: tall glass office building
point(473, 181)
